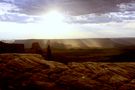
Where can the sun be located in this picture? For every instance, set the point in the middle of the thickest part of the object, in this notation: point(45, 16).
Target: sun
point(54, 17)
point(53, 25)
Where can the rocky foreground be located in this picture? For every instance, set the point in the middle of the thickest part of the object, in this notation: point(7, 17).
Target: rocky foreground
point(32, 72)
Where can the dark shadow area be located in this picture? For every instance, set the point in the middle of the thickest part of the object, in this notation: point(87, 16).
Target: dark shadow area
point(58, 51)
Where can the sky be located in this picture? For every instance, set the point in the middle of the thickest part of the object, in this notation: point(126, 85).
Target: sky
point(60, 19)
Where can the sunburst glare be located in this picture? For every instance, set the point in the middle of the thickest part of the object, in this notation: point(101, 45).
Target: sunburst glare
point(53, 25)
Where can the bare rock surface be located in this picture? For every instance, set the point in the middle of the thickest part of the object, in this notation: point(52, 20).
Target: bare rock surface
point(32, 72)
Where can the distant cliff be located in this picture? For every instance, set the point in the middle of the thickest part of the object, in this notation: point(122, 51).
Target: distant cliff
point(80, 43)
point(11, 48)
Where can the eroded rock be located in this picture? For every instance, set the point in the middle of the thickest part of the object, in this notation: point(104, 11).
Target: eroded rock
point(32, 72)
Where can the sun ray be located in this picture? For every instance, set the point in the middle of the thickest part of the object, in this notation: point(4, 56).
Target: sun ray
point(53, 25)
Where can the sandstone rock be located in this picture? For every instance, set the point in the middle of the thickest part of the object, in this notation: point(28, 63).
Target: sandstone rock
point(32, 72)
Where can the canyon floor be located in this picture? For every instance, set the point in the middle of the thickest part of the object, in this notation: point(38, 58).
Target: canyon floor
point(33, 72)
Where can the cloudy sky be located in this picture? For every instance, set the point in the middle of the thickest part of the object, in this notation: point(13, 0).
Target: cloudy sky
point(30, 19)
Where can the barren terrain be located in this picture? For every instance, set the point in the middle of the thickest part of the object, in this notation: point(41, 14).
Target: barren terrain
point(32, 72)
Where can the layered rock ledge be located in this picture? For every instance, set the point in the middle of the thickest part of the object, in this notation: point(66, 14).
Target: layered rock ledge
point(32, 72)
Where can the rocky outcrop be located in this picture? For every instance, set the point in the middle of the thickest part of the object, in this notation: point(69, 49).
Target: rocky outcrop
point(36, 48)
point(11, 48)
point(32, 72)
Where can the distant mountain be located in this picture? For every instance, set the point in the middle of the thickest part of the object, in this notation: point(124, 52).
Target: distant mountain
point(81, 43)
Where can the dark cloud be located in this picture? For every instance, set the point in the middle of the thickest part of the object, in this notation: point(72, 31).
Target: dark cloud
point(83, 11)
point(127, 6)
point(103, 18)
point(75, 7)
point(29, 6)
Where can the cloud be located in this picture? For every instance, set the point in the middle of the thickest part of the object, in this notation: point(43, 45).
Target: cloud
point(91, 11)
point(73, 7)
point(18, 18)
point(126, 13)
point(81, 7)
point(6, 7)
point(89, 18)
point(9, 1)
point(127, 6)
point(11, 13)
point(103, 18)
point(30, 7)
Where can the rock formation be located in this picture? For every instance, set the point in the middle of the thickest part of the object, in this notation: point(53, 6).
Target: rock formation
point(11, 48)
point(32, 72)
point(36, 48)
point(49, 52)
